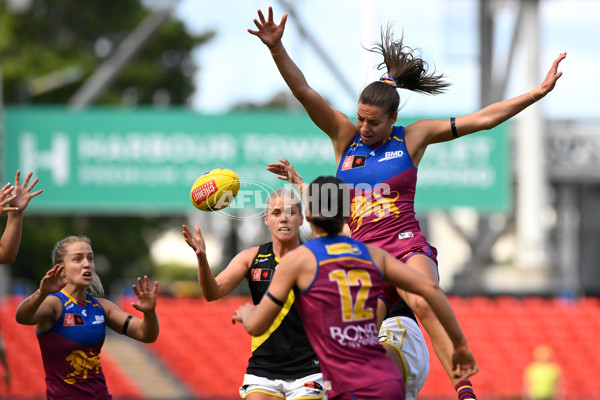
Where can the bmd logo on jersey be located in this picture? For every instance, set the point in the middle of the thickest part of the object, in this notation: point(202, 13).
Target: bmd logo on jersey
point(351, 162)
point(73, 320)
point(389, 155)
point(260, 274)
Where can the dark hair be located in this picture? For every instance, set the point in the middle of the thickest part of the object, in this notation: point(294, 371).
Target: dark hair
point(329, 204)
point(405, 67)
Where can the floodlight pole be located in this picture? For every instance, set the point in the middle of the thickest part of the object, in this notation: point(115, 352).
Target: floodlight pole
point(107, 72)
point(532, 182)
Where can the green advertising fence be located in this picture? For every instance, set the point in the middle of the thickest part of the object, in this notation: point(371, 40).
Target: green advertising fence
point(116, 161)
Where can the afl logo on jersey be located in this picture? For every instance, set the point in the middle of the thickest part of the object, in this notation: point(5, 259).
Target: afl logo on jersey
point(351, 162)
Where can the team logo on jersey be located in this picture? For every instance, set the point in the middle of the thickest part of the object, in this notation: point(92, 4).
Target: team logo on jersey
point(73, 320)
point(99, 319)
point(342, 248)
point(351, 162)
point(260, 274)
point(389, 155)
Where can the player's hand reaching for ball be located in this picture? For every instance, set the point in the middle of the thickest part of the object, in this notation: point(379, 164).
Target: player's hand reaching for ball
point(195, 242)
point(146, 297)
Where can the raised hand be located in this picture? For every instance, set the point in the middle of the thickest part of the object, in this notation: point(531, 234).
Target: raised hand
point(285, 171)
point(52, 282)
point(269, 33)
point(197, 242)
point(146, 297)
point(22, 193)
point(6, 198)
point(552, 75)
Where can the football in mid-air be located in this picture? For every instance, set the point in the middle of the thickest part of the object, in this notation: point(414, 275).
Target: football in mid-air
point(215, 190)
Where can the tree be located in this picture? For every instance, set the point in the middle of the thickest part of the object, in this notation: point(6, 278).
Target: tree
point(46, 53)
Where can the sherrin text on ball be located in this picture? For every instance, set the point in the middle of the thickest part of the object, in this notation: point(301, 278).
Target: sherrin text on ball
point(215, 190)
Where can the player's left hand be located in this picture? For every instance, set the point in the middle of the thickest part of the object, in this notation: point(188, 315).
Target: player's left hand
point(146, 297)
point(285, 171)
point(22, 193)
point(552, 75)
point(463, 363)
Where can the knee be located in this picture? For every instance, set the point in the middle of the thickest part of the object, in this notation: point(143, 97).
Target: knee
point(421, 308)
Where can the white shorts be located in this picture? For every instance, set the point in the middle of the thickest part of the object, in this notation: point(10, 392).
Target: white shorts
point(308, 387)
point(403, 334)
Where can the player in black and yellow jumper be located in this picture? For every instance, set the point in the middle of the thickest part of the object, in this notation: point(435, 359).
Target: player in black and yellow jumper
point(283, 363)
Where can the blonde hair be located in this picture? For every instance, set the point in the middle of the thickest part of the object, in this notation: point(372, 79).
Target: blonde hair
point(285, 192)
point(58, 257)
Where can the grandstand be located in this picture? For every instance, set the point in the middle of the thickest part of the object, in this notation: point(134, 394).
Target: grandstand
point(207, 355)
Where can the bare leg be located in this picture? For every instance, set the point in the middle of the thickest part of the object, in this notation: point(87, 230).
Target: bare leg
point(442, 345)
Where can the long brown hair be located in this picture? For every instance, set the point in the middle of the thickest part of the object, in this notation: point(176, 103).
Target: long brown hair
point(404, 65)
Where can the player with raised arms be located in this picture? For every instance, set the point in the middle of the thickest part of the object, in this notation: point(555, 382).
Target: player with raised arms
point(283, 364)
point(382, 159)
point(70, 322)
point(337, 281)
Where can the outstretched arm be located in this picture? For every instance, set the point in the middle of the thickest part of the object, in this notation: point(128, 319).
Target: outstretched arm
point(257, 319)
point(216, 288)
point(145, 329)
point(428, 131)
point(18, 200)
point(331, 121)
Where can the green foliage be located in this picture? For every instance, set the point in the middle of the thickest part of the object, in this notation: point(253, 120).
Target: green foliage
point(71, 35)
point(175, 272)
point(73, 38)
point(120, 244)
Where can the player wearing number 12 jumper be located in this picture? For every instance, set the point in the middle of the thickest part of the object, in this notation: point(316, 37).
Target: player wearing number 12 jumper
point(383, 158)
point(337, 281)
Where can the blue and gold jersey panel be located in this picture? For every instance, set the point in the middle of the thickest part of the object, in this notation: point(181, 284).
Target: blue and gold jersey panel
point(83, 324)
point(363, 164)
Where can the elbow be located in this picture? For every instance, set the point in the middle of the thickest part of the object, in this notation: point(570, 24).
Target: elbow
point(210, 298)
point(150, 337)
point(489, 122)
point(255, 328)
point(21, 319)
point(255, 331)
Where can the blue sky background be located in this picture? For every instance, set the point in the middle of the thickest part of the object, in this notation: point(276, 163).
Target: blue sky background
point(236, 67)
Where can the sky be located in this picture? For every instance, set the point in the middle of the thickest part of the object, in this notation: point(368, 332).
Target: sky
point(236, 67)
